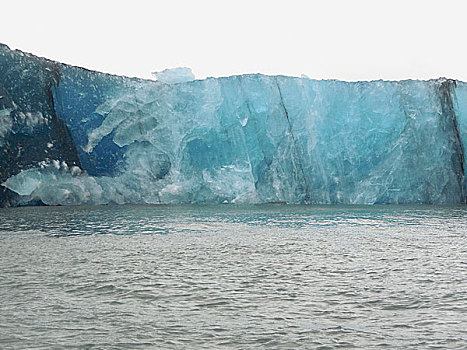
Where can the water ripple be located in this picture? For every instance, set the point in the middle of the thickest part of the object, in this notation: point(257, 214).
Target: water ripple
point(233, 277)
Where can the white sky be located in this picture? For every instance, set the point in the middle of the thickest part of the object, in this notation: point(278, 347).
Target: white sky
point(347, 40)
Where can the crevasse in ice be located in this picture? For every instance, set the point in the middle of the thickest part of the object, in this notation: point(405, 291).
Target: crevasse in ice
point(254, 139)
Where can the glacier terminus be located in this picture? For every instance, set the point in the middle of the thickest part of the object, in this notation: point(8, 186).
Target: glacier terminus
point(71, 136)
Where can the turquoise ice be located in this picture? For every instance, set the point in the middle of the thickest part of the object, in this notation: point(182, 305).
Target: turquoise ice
point(254, 139)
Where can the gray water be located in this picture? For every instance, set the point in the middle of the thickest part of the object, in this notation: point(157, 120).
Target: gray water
point(142, 277)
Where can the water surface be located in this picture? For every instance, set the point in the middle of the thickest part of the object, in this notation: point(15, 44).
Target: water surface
point(269, 276)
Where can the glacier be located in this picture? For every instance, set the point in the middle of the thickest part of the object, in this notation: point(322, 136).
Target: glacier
point(71, 136)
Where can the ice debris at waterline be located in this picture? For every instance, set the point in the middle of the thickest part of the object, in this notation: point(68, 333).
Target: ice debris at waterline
point(73, 136)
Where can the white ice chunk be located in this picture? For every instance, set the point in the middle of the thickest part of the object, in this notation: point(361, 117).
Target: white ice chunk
point(175, 75)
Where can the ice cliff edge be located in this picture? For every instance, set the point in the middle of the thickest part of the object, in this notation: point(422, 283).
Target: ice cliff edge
point(73, 136)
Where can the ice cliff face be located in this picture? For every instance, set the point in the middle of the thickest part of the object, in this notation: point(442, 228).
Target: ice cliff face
point(250, 138)
point(30, 131)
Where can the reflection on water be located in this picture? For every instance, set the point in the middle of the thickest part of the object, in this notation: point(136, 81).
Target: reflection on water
point(140, 219)
point(269, 276)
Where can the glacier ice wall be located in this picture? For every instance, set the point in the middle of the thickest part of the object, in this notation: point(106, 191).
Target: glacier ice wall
point(459, 106)
point(30, 131)
point(251, 139)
